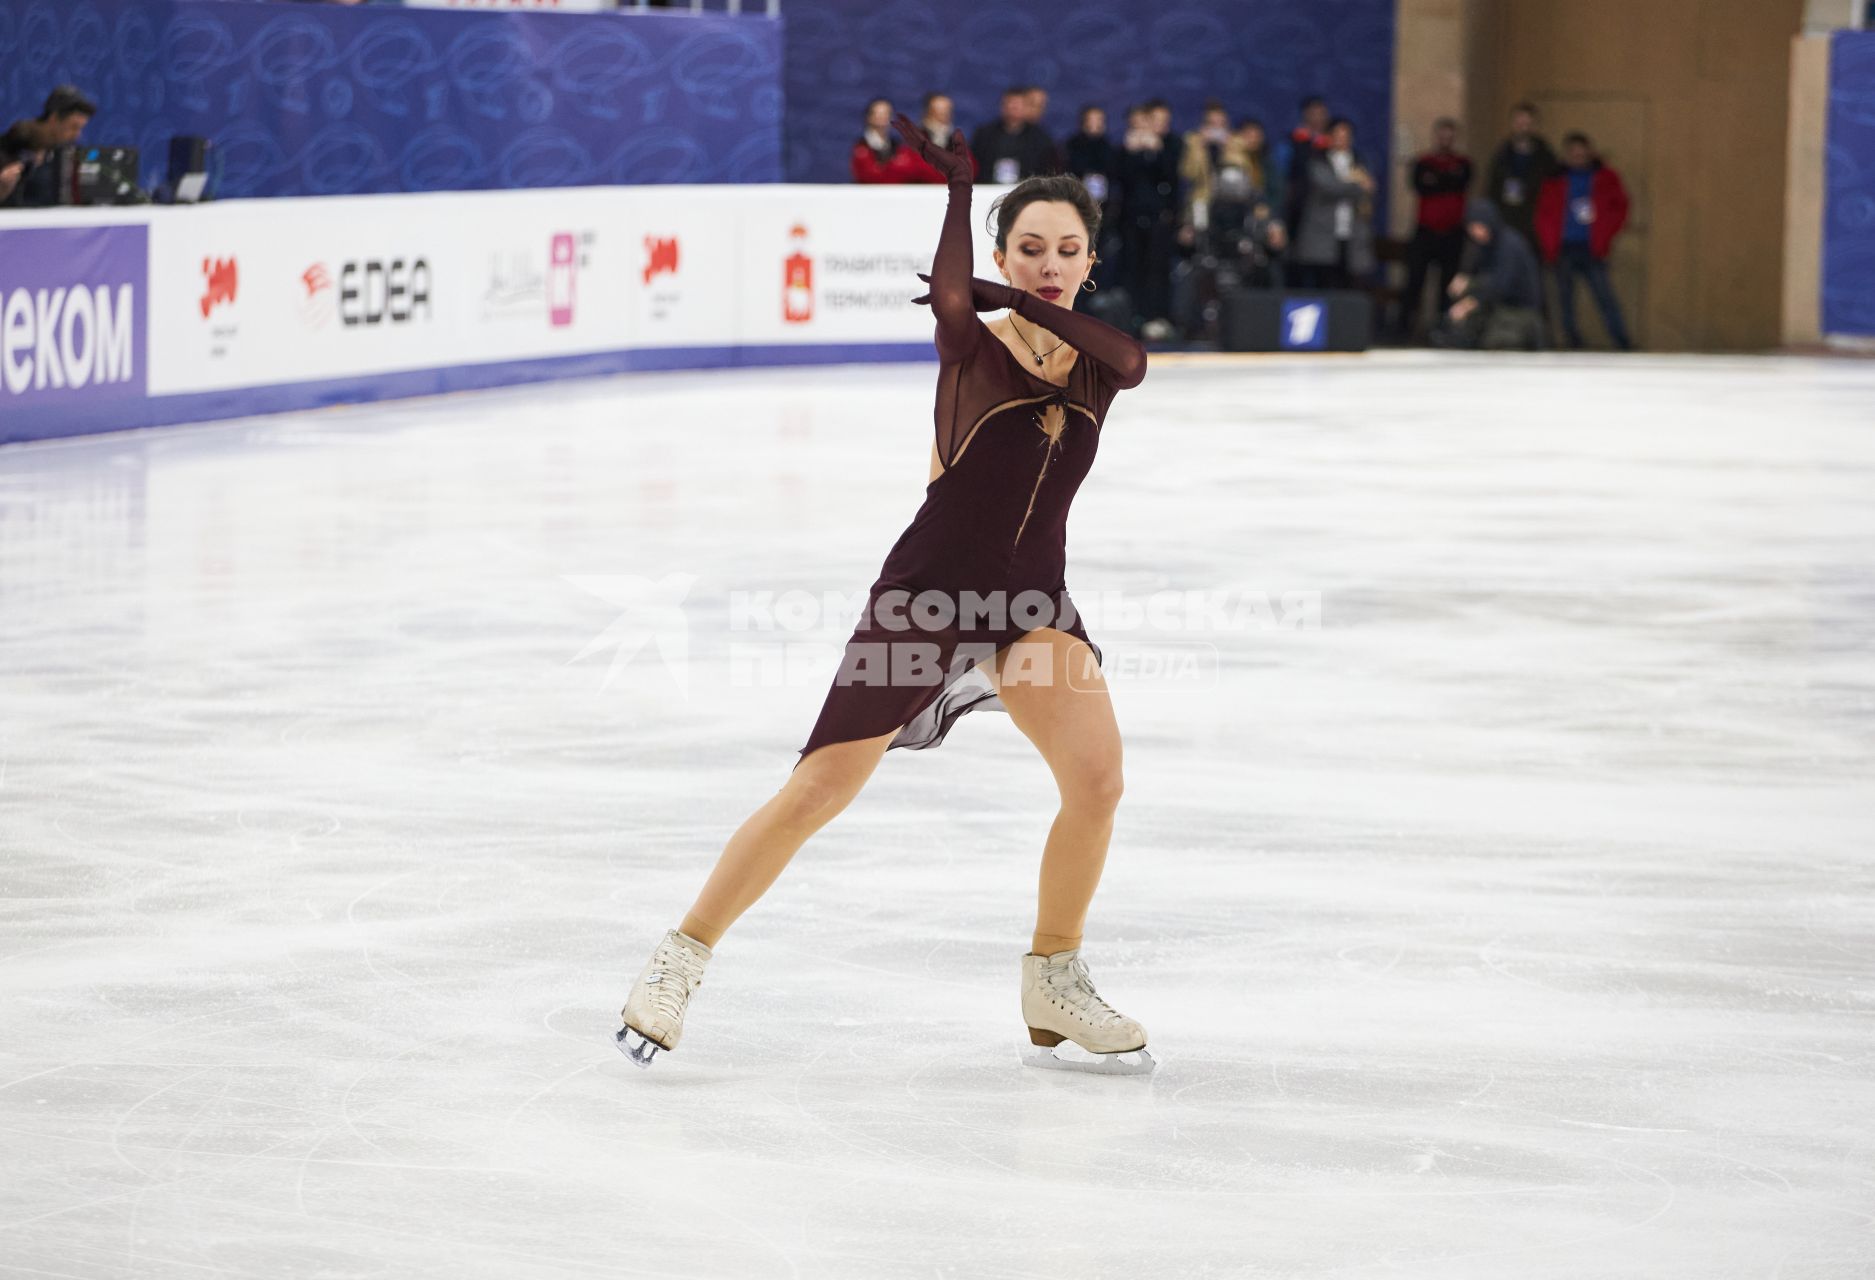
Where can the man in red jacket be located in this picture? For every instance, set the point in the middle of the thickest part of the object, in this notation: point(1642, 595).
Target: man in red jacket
point(1441, 178)
point(1578, 214)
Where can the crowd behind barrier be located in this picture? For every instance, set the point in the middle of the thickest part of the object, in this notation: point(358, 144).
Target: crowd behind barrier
point(1187, 217)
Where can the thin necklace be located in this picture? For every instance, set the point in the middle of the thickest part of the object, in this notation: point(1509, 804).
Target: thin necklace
point(1031, 346)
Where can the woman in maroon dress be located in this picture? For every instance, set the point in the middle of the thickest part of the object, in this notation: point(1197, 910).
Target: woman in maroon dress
point(970, 609)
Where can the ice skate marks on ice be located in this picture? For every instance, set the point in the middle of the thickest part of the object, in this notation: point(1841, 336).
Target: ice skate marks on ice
point(1065, 1055)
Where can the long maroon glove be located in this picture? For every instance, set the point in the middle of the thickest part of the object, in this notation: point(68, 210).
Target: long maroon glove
point(952, 161)
point(1090, 335)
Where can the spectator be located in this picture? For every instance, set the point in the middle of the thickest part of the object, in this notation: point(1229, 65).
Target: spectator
point(1441, 177)
point(1307, 140)
point(1014, 147)
point(1091, 158)
point(1334, 243)
point(1266, 179)
point(1159, 113)
point(940, 123)
point(1519, 170)
point(1498, 298)
point(1090, 153)
point(1578, 215)
point(1148, 174)
point(879, 155)
point(28, 174)
point(1237, 239)
point(1035, 99)
point(1205, 150)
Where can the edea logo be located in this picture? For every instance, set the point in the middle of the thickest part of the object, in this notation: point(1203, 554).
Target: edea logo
point(797, 279)
point(371, 292)
point(220, 279)
point(316, 307)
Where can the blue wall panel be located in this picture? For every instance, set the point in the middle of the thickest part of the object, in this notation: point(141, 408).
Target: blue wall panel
point(1259, 56)
point(1848, 285)
point(325, 99)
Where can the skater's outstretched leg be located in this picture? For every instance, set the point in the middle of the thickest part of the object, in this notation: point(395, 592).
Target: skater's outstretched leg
point(823, 784)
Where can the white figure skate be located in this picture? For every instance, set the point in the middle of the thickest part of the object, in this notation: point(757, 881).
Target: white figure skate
point(1070, 1027)
point(654, 1012)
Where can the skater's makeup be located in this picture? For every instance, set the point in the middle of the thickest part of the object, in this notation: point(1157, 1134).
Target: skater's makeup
point(1047, 251)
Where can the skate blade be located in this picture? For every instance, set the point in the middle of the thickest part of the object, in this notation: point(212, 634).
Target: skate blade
point(1069, 1056)
point(635, 1045)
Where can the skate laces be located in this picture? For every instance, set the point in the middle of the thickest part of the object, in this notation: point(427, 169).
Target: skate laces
point(1072, 982)
point(674, 960)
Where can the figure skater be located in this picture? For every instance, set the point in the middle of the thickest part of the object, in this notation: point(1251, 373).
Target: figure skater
point(971, 609)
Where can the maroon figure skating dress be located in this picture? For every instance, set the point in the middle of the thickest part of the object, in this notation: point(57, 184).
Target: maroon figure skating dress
point(993, 525)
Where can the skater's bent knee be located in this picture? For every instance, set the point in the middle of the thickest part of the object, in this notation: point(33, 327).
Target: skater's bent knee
point(1096, 785)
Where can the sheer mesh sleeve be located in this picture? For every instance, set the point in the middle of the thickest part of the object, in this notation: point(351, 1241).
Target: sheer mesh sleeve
point(1120, 352)
point(957, 326)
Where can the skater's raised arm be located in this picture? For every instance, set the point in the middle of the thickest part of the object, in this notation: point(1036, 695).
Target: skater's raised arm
point(950, 268)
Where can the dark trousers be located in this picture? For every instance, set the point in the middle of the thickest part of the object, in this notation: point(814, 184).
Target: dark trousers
point(1427, 248)
point(1325, 275)
point(1147, 249)
point(1576, 260)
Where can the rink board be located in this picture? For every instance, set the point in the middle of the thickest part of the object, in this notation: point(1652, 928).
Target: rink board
point(112, 319)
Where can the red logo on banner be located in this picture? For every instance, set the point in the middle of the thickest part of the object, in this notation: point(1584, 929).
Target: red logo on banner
point(315, 278)
point(660, 256)
point(797, 279)
point(221, 278)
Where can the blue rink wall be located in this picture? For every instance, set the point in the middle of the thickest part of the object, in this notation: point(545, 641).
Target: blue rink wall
point(1848, 275)
point(321, 99)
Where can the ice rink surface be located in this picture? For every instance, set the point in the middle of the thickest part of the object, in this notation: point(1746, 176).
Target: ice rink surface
point(1511, 916)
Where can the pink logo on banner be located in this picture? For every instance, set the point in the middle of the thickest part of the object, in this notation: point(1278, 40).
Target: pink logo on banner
point(562, 276)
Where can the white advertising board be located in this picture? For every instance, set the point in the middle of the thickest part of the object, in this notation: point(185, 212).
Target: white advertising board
point(264, 292)
point(252, 293)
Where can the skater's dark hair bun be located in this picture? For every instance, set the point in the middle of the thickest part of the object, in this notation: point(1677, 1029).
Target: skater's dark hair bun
point(1054, 186)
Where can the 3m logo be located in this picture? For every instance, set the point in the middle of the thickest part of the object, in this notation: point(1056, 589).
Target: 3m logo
point(660, 256)
point(1303, 326)
point(222, 279)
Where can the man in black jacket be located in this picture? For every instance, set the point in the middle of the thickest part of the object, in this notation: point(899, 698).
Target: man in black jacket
point(1014, 147)
point(1498, 296)
point(1518, 171)
point(28, 173)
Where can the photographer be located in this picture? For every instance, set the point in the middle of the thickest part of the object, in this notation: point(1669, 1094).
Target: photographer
point(1498, 297)
point(28, 175)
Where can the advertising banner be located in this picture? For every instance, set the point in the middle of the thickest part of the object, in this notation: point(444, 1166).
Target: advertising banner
point(261, 293)
point(821, 266)
point(72, 327)
point(253, 306)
